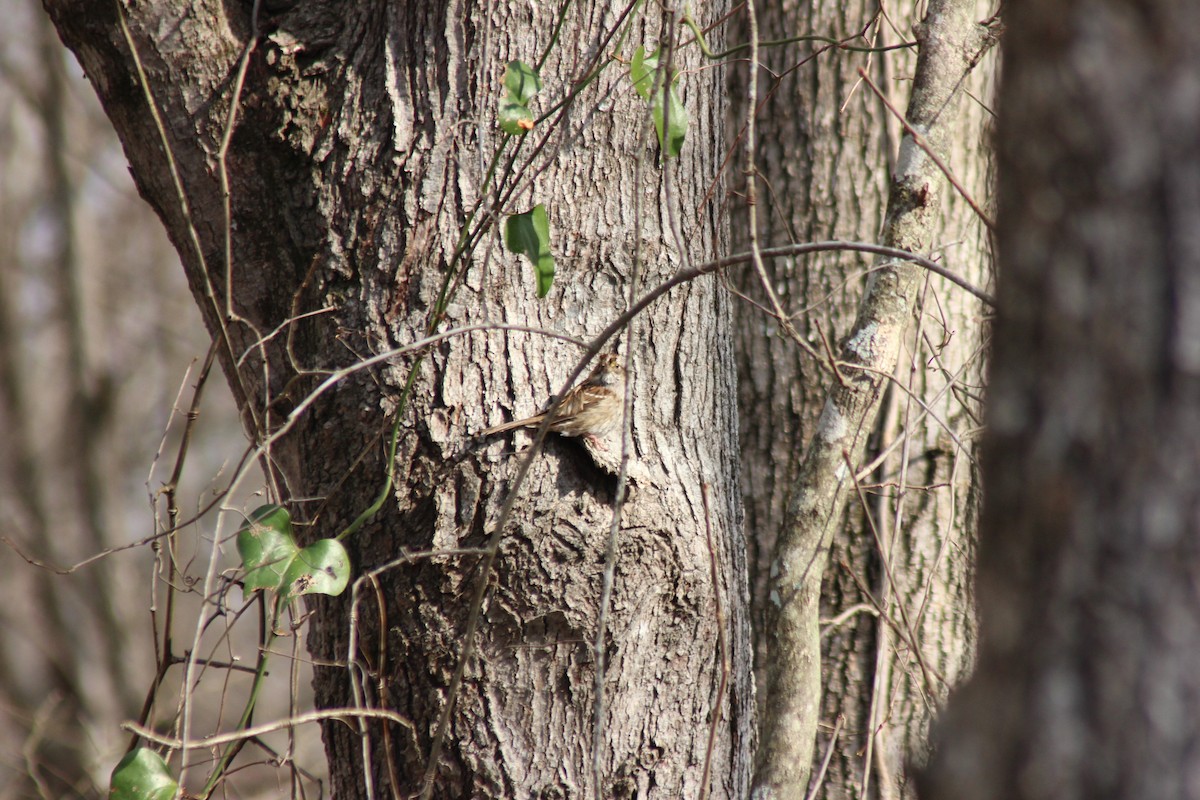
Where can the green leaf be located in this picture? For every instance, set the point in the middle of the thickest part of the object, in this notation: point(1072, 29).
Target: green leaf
point(267, 547)
point(273, 561)
point(677, 122)
point(644, 71)
point(142, 775)
point(641, 71)
point(521, 83)
point(321, 568)
point(515, 119)
point(529, 234)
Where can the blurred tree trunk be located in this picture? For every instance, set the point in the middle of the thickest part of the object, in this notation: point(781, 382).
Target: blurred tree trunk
point(1090, 622)
point(358, 159)
point(66, 679)
point(825, 149)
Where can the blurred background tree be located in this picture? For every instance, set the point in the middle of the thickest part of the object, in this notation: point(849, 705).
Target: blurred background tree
point(98, 336)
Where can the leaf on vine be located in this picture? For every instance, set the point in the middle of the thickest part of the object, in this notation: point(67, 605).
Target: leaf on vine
point(644, 71)
point(272, 559)
point(521, 83)
point(529, 234)
point(142, 775)
point(321, 568)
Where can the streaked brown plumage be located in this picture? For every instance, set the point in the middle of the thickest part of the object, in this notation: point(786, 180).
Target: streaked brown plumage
point(590, 409)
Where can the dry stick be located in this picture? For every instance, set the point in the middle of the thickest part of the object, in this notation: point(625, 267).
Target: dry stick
point(176, 743)
point(878, 25)
point(828, 625)
point(883, 665)
point(165, 658)
point(381, 689)
point(152, 496)
point(943, 548)
point(820, 776)
point(820, 493)
point(752, 198)
point(951, 381)
point(356, 673)
point(907, 631)
point(883, 650)
point(929, 151)
point(185, 208)
point(288, 324)
point(298, 772)
point(295, 772)
point(927, 410)
point(227, 224)
point(897, 625)
point(224, 332)
point(831, 45)
point(752, 181)
point(360, 696)
point(686, 275)
point(722, 645)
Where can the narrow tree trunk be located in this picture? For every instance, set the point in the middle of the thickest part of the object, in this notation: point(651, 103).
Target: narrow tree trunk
point(1090, 631)
point(360, 157)
point(826, 147)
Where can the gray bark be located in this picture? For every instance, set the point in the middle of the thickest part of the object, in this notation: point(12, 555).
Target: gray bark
point(828, 180)
point(1086, 684)
point(360, 150)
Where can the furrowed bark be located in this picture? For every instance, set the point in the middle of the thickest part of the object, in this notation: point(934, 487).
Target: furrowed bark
point(950, 43)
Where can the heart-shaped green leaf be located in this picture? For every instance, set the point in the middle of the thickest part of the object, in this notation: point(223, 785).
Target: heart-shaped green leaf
point(529, 235)
point(521, 83)
point(641, 71)
point(321, 568)
point(266, 546)
point(142, 775)
point(515, 118)
point(273, 560)
point(676, 120)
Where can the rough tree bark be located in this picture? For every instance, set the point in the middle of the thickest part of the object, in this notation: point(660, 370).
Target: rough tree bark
point(1089, 616)
point(360, 151)
point(826, 147)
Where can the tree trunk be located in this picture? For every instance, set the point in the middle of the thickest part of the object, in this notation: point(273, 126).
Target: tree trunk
point(358, 160)
point(825, 148)
point(1090, 632)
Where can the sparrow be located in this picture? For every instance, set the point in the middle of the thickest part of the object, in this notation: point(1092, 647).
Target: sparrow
point(591, 409)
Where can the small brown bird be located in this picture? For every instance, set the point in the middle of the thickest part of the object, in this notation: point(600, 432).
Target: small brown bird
point(591, 409)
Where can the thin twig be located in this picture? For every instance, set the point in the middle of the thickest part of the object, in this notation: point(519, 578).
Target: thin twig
point(820, 776)
point(907, 631)
point(181, 196)
point(176, 743)
point(921, 143)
